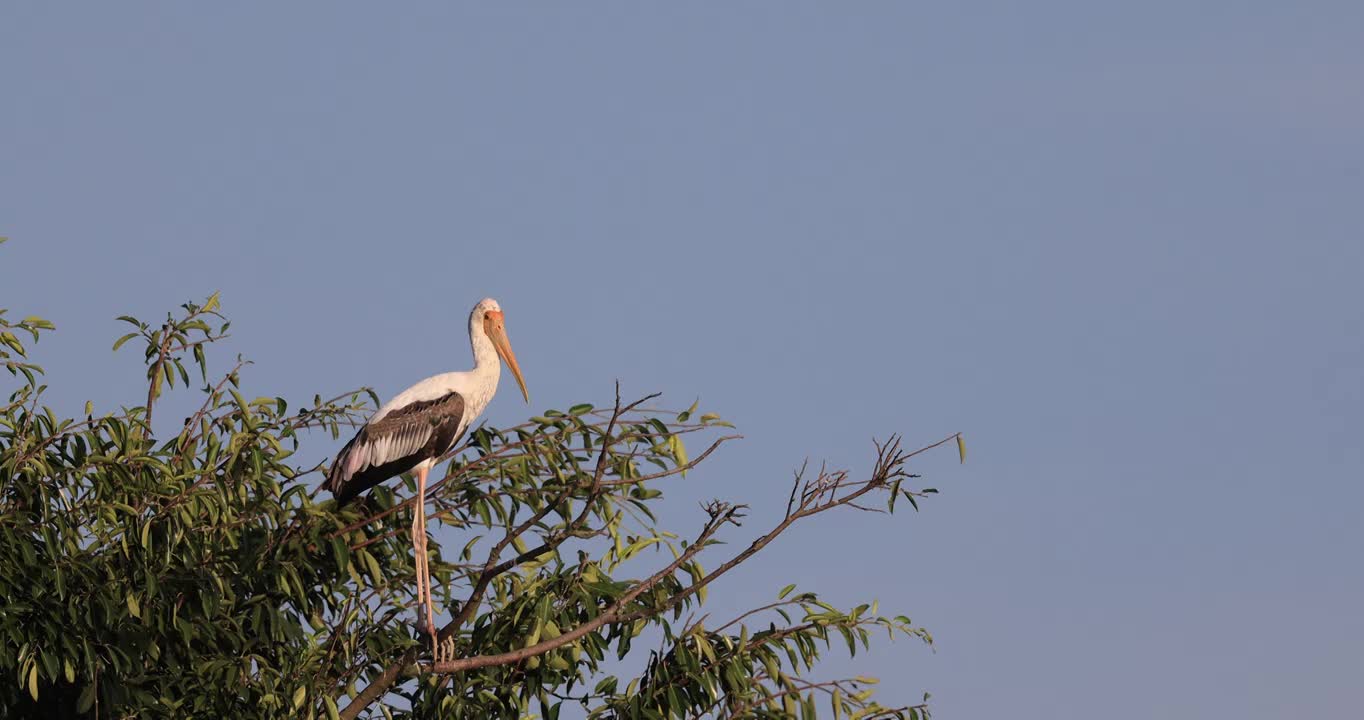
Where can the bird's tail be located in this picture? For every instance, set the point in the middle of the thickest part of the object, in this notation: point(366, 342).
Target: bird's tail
point(339, 474)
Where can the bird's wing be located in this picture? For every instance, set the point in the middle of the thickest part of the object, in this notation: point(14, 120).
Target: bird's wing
point(396, 443)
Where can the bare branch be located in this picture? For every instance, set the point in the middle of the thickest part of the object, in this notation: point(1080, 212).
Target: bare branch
point(612, 614)
point(677, 469)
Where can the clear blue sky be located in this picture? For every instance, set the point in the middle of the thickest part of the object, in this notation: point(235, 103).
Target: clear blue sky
point(1119, 245)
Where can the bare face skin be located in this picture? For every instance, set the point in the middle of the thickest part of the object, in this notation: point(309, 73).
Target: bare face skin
point(496, 331)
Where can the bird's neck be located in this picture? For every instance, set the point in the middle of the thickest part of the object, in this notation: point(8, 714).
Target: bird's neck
point(487, 365)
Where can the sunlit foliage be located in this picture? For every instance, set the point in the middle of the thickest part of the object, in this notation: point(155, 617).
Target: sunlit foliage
point(197, 573)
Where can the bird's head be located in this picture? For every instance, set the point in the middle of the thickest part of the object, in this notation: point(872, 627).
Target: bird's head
point(487, 315)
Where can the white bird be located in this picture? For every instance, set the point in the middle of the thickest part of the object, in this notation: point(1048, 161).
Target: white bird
point(413, 430)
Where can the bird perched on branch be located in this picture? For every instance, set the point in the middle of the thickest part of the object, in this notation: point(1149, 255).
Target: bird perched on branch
point(412, 431)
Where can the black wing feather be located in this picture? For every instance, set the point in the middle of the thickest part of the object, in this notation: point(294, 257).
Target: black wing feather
point(438, 419)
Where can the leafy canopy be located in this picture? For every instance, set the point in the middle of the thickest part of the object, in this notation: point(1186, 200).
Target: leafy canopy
point(195, 573)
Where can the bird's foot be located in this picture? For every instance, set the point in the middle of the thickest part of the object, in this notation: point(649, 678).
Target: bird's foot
point(440, 650)
point(445, 650)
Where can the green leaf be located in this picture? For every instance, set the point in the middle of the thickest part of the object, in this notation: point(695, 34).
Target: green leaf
point(211, 303)
point(340, 553)
point(679, 451)
point(133, 608)
point(686, 414)
point(300, 695)
point(786, 591)
point(33, 682)
point(70, 671)
point(580, 409)
point(372, 565)
point(158, 374)
point(50, 664)
point(12, 341)
point(961, 448)
point(332, 712)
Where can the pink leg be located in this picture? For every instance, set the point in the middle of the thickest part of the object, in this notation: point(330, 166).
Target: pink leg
point(423, 565)
point(417, 557)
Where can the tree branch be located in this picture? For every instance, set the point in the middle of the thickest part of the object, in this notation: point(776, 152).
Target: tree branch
point(722, 515)
point(677, 469)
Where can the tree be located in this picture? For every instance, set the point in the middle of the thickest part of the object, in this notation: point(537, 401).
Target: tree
point(196, 574)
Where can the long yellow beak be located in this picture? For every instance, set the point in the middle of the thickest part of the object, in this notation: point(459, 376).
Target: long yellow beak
point(494, 326)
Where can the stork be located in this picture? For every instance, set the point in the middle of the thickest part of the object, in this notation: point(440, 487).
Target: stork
point(412, 431)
